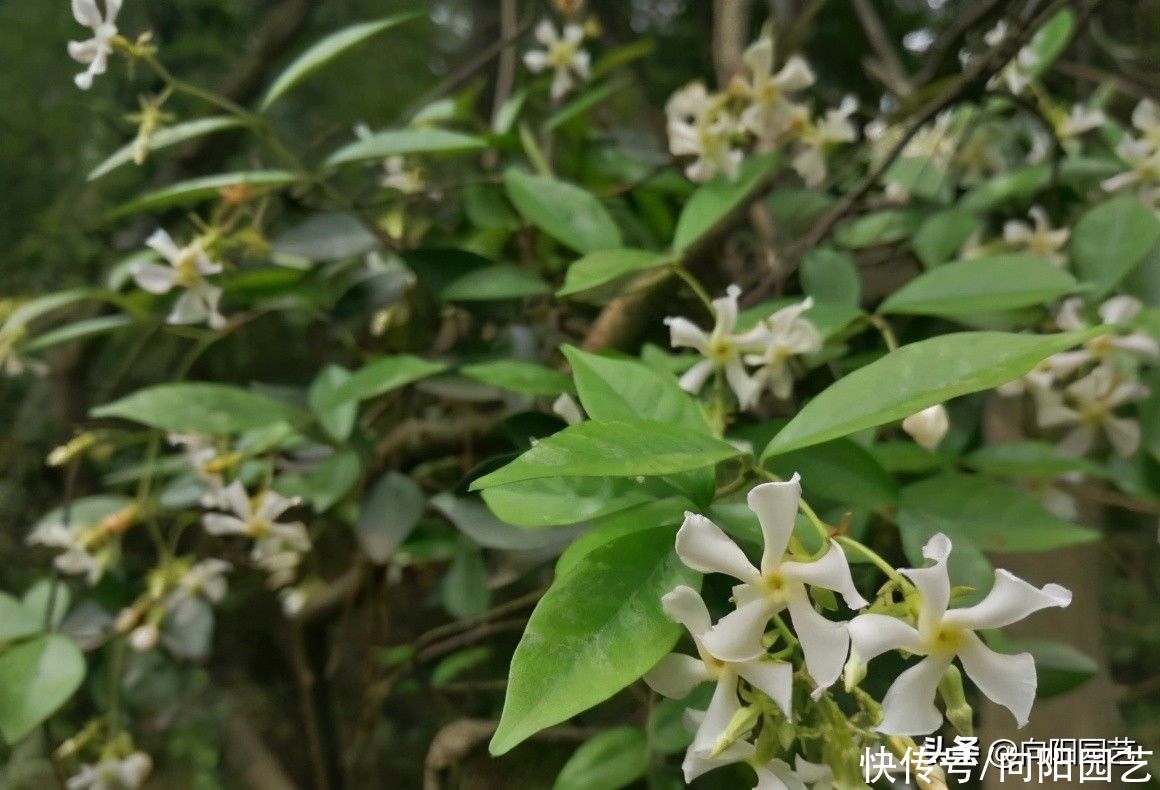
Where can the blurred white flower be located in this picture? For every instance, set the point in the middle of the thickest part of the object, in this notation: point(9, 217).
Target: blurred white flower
point(943, 634)
point(1087, 407)
point(783, 335)
point(85, 549)
point(205, 579)
point(561, 53)
point(277, 546)
point(1039, 238)
point(699, 125)
point(1118, 312)
point(94, 52)
point(929, 426)
point(722, 348)
point(111, 773)
point(201, 453)
point(1079, 121)
point(817, 138)
point(1141, 154)
point(188, 268)
point(771, 112)
point(778, 584)
point(396, 174)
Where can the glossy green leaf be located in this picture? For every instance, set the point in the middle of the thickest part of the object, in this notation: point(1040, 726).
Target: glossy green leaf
point(594, 632)
point(338, 421)
point(714, 201)
point(37, 677)
point(526, 378)
point(326, 236)
point(605, 266)
point(206, 188)
point(163, 138)
point(200, 407)
point(942, 235)
point(1110, 240)
point(497, 281)
point(562, 500)
point(615, 449)
point(571, 215)
point(831, 276)
point(79, 330)
point(378, 378)
point(400, 142)
point(668, 512)
point(1022, 182)
point(609, 760)
point(473, 519)
point(581, 104)
point(1051, 40)
point(389, 513)
point(16, 620)
point(327, 50)
point(989, 515)
point(881, 227)
point(840, 471)
point(982, 285)
point(324, 485)
point(43, 595)
point(914, 377)
point(1028, 459)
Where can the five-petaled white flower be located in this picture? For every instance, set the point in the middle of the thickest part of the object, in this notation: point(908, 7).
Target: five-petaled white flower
point(929, 426)
point(700, 126)
point(561, 53)
point(1040, 239)
point(188, 268)
point(86, 549)
point(783, 335)
point(277, 546)
point(1087, 406)
point(942, 634)
point(817, 138)
point(112, 773)
point(779, 583)
point(676, 675)
point(722, 348)
point(771, 112)
point(94, 52)
point(1118, 312)
point(1142, 154)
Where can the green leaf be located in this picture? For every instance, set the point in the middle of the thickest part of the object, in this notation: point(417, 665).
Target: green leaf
point(941, 236)
point(163, 138)
point(16, 620)
point(325, 484)
point(464, 589)
point(1015, 184)
point(668, 512)
point(327, 50)
point(1028, 459)
point(398, 142)
point(201, 408)
point(526, 378)
point(921, 178)
point(582, 104)
point(1111, 239)
point(714, 201)
point(1059, 667)
point(389, 513)
point(569, 214)
point(594, 632)
point(473, 519)
point(840, 471)
point(881, 227)
point(612, 759)
point(378, 378)
point(40, 596)
point(605, 266)
point(78, 330)
point(37, 677)
point(983, 285)
point(914, 377)
point(326, 236)
point(989, 515)
point(338, 421)
point(831, 276)
point(206, 188)
point(617, 449)
point(497, 281)
point(457, 664)
point(549, 501)
point(1051, 40)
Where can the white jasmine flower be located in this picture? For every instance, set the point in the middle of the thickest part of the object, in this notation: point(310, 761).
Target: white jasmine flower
point(111, 773)
point(1019, 73)
point(1087, 406)
point(206, 579)
point(188, 268)
point(784, 334)
point(1079, 121)
point(562, 54)
point(944, 634)
point(86, 549)
point(773, 775)
point(929, 426)
point(1141, 154)
point(94, 52)
point(699, 126)
point(816, 139)
point(1118, 312)
point(277, 546)
point(676, 674)
point(771, 113)
point(1041, 240)
point(779, 583)
point(722, 349)
point(202, 456)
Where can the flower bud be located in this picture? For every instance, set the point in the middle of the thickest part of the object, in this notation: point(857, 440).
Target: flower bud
point(929, 426)
point(959, 712)
point(854, 672)
point(144, 637)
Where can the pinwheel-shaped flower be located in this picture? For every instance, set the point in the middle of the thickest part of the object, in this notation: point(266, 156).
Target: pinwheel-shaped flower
point(784, 335)
point(1142, 154)
point(562, 54)
point(188, 267)
point(778, 584)
point(1087, 406)
point(722, 348)
point(1118, 312)
point(771, 112)
point(700, 126)
point(94, 52)
point(942, 634)
point(677, 674)
point(275, 543)
point(817, 138)
point(1041, 239)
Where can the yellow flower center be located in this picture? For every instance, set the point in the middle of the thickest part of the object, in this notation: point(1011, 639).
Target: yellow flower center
point(721, 350)
point(946, 640)
point(561, 54)
point(188, 275)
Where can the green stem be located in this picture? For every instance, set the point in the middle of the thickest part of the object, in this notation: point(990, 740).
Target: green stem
point(694, 286)
point(875, 558)
point(879, 323)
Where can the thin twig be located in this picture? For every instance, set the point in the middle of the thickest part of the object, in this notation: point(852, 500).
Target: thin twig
point(893, 72)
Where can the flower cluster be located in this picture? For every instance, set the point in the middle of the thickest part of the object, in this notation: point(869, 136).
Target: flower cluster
point(756, 110)
point(769, 348)
point(754, 671)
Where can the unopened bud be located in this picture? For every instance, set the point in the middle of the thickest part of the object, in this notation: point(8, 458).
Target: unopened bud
point(742, 722)
point(959, 712)
point(119, 523)
point(929, 426)
point(72, 450)
point(144, 637)
point(854, 672)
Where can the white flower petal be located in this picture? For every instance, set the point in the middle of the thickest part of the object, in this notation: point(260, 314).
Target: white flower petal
point(537, 60)
point(683, 333)
point(702, 546)
point(163, 243)
point(737, 636)
point(725, 310)
point(777, 775)
point(830, 571)
point(774, 678)
point(759, 57)
point(929, 426)
point(685, 606)
point(871, 635)
point(693, 379)
point(676, 675)
point(153, 277)
point(221, 524)
point(1006, 680)
point(1123, 433)
point(1139, 343)
point(908, 707)
point(744, 386)
point(933, 583)
point(776, 506)
point(188, 309)
point(1119, 310)
point(718, 715)
point(236, 499)
point(795, 75)
point(825, 643)
point(545, 33)
point(1010, 600)
point(1077, 442)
